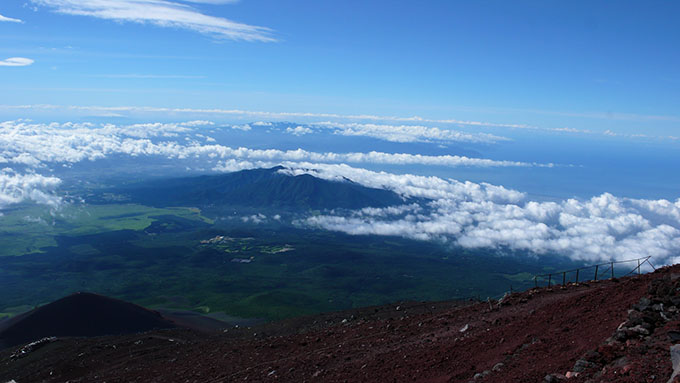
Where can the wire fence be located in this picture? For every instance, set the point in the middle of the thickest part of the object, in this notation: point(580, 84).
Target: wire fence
point(592, 272)
point(597, 272)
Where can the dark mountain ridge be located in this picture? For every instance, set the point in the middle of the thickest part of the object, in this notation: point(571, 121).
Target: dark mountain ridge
point(80, 314)
point(267, 188)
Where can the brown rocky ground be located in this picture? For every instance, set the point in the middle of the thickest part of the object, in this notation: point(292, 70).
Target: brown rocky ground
point(528, 336)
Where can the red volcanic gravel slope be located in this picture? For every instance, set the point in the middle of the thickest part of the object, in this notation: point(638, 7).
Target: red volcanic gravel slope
point(585, 328)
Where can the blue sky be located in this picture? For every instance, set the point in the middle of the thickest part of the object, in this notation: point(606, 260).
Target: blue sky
point(592, 65)
point(544, 126)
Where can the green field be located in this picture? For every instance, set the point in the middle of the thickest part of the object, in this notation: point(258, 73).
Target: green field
point(171, 258)
point(31, 229)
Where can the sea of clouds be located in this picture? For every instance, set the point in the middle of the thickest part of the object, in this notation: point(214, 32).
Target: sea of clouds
point(477, 215)
point(472, 215)
point(29, 149)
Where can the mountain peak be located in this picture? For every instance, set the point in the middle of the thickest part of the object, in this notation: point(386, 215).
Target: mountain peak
point(265, 188)
point(80, 314)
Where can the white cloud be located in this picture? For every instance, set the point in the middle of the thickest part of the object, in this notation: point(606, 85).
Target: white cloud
point(196, 123)
point(410, 133)
point(9, 19)
point(305, 116)
point(299, 130)
point(16, 61)
point(148, 130)
point(162, 13)
point(244, 127)
point(233, 165)
point(35, 144)
point(15, 188)
point(408, 185)
point(465, 213)
point(255, 218)
point(370, 157)
point(481, 215)
point(389, 211)
point(266, 115)
point(148, 76)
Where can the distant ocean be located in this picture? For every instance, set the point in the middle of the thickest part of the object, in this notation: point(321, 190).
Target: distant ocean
point(584, 166)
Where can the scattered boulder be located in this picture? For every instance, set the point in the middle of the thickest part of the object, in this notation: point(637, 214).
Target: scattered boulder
point(674, 336)
point(631, 352)
point(590, 357)
point(643, 305)
point(675, 359)
point(554, 378)
point(582, 364)
point(481, 375)
point(639, 330)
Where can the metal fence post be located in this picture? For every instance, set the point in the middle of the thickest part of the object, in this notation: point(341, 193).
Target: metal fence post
point(612, 273)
